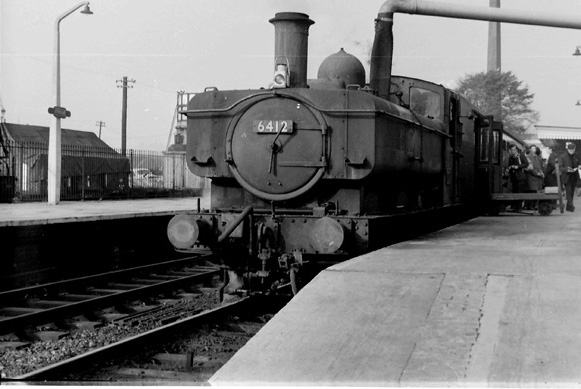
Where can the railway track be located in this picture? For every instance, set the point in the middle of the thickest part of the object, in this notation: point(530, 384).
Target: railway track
point(121, 304)
point(190, 349)
point(119, 326)
point(54, 301)
point(106, 362)
point(194, 355)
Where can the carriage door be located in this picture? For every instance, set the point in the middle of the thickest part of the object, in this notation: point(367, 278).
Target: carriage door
point(484, 159)
point(456, 144)
point(497, 157)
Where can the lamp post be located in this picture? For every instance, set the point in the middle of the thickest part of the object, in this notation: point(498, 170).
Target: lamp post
point(58, 112)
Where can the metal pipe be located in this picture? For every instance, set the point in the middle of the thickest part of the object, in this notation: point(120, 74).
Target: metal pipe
point(382, 52)
point(251, 237)
point(234, 224)
point(493, 62)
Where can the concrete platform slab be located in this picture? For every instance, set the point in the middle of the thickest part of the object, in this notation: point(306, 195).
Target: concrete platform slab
point(24, 214)
point(491, 302)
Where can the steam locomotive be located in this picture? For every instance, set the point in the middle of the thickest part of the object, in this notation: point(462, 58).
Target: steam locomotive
point(328, 166)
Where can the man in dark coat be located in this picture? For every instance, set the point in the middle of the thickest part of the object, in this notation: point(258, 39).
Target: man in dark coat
point(517, 162)
point(569, 164)
point(550, 174)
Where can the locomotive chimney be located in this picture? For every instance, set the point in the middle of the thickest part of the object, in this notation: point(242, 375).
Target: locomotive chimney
point(291, 32)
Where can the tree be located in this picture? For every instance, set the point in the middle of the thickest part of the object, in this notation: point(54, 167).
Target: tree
point(486, 89)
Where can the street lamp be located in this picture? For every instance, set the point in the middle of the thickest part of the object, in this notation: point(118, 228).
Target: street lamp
point(58, 112)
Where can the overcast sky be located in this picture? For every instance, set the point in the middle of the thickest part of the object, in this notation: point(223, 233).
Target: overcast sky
point(187, 45)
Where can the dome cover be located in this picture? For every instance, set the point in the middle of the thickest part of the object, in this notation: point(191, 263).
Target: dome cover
point(344, 66)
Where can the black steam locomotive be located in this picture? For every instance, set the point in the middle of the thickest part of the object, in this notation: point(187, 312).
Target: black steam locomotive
point(330, 165)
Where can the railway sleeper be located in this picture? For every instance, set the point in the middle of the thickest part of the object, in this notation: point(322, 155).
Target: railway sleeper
point(45, 304)
point(13, 345)
point(75, 297)
point(183, 361)
point(17, 311)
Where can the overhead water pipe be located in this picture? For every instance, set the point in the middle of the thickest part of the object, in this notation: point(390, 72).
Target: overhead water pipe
point(382, 52)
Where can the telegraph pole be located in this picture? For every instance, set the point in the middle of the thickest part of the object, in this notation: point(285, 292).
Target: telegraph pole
point(2, 111)
point(124, 113)
point(100, 124)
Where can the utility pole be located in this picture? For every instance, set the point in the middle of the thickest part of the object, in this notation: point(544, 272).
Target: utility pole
point(493, 62)
point(124, 113)
point(2, 111)
point(100, 124)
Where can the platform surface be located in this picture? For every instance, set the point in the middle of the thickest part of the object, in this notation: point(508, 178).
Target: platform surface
point(23, 214)
point(495, 301)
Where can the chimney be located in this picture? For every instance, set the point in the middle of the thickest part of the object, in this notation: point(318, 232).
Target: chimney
point(291, 38)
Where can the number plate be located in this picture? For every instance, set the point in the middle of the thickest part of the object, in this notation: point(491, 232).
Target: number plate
point(273, 126)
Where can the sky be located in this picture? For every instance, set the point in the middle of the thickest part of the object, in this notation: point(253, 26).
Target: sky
point(188, 45)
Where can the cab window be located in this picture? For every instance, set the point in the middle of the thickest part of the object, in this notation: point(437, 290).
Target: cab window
point(425, 103)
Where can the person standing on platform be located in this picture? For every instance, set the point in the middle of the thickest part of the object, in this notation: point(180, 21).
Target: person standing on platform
point(517, 162)
point(543, 164)
point(550, 173)
point(535, 174)
point(570, 164)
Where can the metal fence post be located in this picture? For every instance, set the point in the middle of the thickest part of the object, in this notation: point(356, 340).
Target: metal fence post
point(83, 172)
point(131, 169)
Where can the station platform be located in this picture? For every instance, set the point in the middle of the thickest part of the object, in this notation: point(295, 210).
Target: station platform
point(30, 214)
point(495, 301)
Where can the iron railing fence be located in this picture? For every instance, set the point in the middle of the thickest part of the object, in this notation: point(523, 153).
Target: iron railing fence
point(94, 173)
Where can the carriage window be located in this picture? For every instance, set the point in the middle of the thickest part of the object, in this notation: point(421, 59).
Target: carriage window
point(484, 143)
point(496, 147)
point(425, 103)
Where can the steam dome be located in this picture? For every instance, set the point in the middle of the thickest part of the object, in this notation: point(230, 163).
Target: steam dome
point(343, 66)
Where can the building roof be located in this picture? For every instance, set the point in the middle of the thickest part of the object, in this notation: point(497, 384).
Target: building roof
point(39, 134)
point(557, 132)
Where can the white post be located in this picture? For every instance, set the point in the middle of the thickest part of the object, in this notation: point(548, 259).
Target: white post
point(54, 139)
point(54, 135)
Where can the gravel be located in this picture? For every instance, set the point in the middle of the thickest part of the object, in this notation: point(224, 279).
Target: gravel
point(14, 363)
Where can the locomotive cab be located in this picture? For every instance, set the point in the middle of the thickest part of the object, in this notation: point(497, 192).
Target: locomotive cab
point(424, 98)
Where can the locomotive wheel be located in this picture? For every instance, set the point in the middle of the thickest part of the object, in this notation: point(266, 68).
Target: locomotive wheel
point(545, 208)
